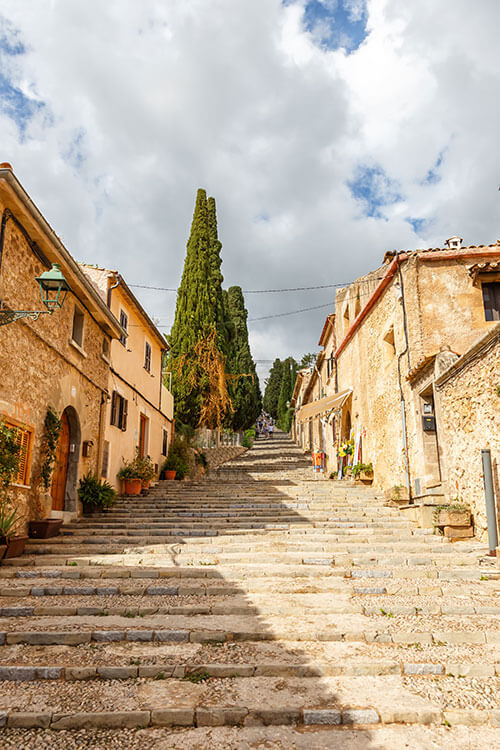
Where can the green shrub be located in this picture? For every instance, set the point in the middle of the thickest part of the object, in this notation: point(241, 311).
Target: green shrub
point(95, 492)
point(9, 455)
point(358, 468)
point(249, 437)
point(178, 458)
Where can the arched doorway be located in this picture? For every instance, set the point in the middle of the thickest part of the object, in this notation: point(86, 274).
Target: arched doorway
point(65, 474)
point(347, 426)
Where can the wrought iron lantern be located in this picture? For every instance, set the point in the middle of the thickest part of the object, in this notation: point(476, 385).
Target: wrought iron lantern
point(53, 291)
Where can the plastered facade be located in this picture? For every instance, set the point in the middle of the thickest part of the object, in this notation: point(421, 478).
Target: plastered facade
point(143, 390)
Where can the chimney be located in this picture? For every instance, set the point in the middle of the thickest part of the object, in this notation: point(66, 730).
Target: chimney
point(454, 243)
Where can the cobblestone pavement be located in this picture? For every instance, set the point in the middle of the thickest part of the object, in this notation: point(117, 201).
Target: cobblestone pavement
point(255, 608)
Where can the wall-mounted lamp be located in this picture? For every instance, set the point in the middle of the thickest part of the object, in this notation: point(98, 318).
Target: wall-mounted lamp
point(53, 291)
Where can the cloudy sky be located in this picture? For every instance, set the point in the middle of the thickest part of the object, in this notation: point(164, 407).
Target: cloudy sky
point(328, 131)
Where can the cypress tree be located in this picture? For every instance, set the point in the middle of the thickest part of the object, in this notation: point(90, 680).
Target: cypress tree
point(286, 390)
point(272, 391)
point(244, 389)
point(199, 318)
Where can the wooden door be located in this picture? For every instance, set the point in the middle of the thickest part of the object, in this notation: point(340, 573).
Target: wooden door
point(60, 466)
point(143, 421)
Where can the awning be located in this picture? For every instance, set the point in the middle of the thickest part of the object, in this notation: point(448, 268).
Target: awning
point(328, 403)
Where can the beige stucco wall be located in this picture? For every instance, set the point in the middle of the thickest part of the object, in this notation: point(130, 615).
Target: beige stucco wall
point(39, 365)
point(143, 390)
point(469, 420)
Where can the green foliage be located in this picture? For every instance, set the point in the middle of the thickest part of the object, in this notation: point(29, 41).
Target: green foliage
point(244, 385)
point(96, 492)
point(199, 313)
point(129, 470)
point(358, 468)
point(178, 457)
point(249, 437)
point(145, 468)
point(52, 428)
point(308, 360)
point(9, 455)
point(289, 374)
point(9, 519)
point(272, 391)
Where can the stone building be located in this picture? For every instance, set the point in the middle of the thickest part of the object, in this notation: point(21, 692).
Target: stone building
point(57, 361)
point(396, 330)
point(468, 413)
point(139, 414)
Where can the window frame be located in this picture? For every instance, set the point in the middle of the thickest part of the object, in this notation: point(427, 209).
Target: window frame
point(78, 314)
point(164, 445)
point(119, 411)
point(22, 429)
point(148, 356)
point(492, 288)
point(124, 325)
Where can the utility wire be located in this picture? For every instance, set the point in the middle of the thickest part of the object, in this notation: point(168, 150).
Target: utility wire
point(292, 312)
point(264, 291)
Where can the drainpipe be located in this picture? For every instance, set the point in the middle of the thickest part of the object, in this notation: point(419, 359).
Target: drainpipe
point(100, 433)
point(110, 289)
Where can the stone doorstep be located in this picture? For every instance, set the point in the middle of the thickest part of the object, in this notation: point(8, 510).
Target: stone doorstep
point(244, 716)
point(72, 638)
point(227, 670)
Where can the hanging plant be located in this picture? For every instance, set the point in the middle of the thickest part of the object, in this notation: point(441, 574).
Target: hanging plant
point(52, 428)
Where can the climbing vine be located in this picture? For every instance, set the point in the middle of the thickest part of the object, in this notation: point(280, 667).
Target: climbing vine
point(52, 428)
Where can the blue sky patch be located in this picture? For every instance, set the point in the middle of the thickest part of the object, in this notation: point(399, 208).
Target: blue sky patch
point(373, 188)
point(433, 175)
point(336, 23)
point(417, 224)
point(17, 105)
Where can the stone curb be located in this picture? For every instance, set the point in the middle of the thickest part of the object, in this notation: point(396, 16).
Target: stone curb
point(228, 670)
point(209, 716)
point(72, 638)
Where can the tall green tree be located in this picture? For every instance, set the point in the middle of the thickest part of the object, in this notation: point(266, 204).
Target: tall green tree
point(244, 388)
point(289, 375)
point(272, 390)
point(199, 318)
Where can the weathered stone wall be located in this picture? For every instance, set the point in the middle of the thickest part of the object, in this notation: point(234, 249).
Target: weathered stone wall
point(39, 365)
point(469, 419)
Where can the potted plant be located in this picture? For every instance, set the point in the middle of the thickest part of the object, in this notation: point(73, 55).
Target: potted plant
point(43, 527)
point(9, 517)
point(176, 465)
point(146, 470)
point(95, 494)
point(130, 475)
point(363, 472)
point(9, 520)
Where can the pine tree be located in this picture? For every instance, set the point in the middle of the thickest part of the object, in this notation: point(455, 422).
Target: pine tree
point(244, 389)
point(272, 391)
point(199, 318)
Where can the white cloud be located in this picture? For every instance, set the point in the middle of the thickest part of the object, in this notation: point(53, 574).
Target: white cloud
point(145, 102)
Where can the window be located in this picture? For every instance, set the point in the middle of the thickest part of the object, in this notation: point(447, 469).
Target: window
point(105, 459)
point(105, 347)
point(164, 449)
point(24, 438)
point(147, 357)
point(491, 300)
point(124, 324)
point(119, 411)
point(77, 332)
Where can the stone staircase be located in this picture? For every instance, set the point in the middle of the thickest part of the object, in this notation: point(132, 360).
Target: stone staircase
point(257, 606)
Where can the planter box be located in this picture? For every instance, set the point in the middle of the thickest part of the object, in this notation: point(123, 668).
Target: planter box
point(449, 517)
point(15, 546)
point(458, 532)
point(44, 529)
point(132, 486)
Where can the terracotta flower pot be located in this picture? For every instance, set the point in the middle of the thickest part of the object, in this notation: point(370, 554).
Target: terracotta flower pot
point(133, 486)
point(44, 529)
point(15, 546)
point(170, 474)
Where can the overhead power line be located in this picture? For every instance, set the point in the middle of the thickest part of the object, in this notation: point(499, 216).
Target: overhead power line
point(292, 312)
point(265, 291)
